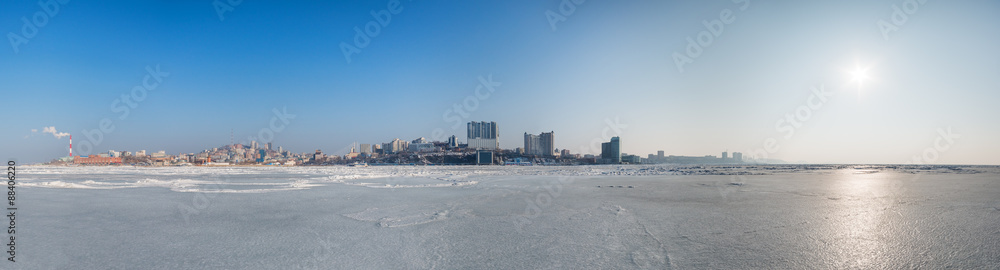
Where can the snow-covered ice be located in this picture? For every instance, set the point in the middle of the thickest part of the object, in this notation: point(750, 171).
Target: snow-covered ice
point(497, 217)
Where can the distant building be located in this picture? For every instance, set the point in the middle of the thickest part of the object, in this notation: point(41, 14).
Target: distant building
point(737, 157)
point(531, 144)
point(725, 155)
point(366, 148)
point(484, 157)
point(261, 155)
point(611, 152)
point(268, 146)
point(540, 145)
point(396, 146)
point(631, 159)
point(419, 140)
point(483, 135)
point(452, 142)
point(319, 156)
point(548, 143)
point(97, 160)
point(421, 147)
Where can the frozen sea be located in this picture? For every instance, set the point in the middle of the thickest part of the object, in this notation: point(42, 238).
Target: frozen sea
point(503, 217)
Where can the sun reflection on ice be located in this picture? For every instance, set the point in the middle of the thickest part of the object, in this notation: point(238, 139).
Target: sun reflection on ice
point(860, 227)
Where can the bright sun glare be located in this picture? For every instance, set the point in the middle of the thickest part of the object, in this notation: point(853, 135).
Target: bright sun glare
point(859, 74)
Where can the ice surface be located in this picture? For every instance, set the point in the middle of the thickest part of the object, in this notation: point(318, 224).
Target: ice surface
point(495, 217)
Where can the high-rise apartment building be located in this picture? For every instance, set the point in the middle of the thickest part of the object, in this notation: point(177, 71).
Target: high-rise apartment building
point(541, 145)
point(611, 152)
point(483, 135)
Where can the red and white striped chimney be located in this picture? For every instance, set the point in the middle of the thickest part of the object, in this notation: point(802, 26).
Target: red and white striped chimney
point(71, 145)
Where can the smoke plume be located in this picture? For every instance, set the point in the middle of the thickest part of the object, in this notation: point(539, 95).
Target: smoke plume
point(55, 133)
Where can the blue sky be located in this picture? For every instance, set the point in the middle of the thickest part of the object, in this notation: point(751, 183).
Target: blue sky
point(607, 61)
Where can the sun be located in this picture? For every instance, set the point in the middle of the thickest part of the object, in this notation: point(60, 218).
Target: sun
point(860, 74)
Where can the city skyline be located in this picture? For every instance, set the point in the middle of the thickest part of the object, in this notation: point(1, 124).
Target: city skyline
point(844, 82)
point(538, 149)
point(541, 145)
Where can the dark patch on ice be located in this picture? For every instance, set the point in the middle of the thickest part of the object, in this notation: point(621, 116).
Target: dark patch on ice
point(615, 186)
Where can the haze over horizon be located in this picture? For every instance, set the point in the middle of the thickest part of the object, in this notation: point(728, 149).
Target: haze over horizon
point(821, 82)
